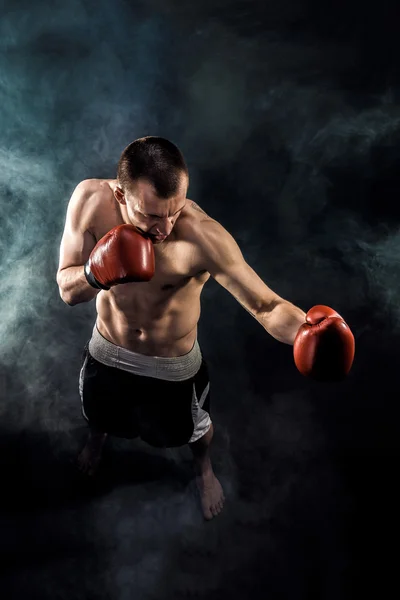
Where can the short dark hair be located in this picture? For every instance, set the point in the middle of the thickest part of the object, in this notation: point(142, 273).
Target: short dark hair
point(155, 159)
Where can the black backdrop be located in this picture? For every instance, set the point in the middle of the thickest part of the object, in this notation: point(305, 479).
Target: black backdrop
point(288, 116)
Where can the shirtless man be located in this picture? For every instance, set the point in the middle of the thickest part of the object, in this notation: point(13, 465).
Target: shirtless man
point(144, 250)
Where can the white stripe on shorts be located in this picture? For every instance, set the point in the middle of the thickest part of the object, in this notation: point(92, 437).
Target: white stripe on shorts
point(201, 418)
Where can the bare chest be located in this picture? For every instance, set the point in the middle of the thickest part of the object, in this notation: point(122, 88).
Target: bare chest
point(177, 266)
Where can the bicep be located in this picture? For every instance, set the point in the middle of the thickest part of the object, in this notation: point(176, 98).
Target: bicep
point(227, 265)
point(247, 287)
point(77, 241)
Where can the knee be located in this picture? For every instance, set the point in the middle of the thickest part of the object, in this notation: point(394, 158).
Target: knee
point(204, 441)
point(207, 437)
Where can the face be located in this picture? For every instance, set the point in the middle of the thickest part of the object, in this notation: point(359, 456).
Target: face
point(150, 214)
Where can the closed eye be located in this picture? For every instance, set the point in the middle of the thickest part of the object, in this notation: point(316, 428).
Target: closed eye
point(160, 216)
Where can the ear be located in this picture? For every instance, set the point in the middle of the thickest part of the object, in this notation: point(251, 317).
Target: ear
point(119, 195)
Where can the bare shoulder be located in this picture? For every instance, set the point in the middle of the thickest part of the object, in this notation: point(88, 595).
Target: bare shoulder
point(192, 221)
point(192, 218)
point(93, 187)
point(198, 223)
point(209, 238)
point(89, 197)
point(193, 206)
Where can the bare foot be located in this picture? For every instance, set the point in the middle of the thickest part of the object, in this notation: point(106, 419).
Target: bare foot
point(89, 458)
point(211, 495)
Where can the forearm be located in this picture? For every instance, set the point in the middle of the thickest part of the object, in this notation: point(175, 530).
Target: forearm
point(73, 286)
point(283, 321)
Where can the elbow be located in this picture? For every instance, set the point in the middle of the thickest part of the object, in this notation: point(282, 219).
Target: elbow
point(64, 295)
point(66, 298)
point(270, 306)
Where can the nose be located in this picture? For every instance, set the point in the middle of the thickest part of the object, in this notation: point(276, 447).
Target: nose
point(165, 227)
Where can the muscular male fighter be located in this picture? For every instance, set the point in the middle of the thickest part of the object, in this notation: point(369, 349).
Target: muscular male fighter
point(145, 251)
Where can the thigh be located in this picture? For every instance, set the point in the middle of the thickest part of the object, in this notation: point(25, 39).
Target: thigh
point(109, 397)
point(173, 412)
point(202, 387)
point(165, 414)
point(201, 404)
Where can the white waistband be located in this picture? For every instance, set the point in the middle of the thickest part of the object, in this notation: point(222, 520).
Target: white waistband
point(176, 368)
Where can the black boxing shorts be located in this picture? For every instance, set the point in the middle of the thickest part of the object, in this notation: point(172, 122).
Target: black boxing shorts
point(164, 401)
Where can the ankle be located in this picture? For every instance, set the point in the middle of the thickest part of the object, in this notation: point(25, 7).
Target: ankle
point(203, 469)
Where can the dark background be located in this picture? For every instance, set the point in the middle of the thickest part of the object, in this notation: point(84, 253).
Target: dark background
point(288, 116)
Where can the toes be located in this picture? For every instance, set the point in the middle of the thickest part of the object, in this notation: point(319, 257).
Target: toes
point(217, 508)
point(208, 515)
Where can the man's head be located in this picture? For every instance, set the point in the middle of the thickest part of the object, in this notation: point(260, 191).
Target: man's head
point(152, 183)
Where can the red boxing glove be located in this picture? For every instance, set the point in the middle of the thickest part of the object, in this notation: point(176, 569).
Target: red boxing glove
point(324, 346)
point(123, 255)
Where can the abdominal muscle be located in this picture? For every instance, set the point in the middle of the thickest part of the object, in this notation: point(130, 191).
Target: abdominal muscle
point(158, 317)
point(147, 323)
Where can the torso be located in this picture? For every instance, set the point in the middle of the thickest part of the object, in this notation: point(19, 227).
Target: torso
point(159, 317)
